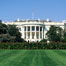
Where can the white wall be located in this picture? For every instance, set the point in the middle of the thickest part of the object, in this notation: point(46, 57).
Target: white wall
point(46, 24)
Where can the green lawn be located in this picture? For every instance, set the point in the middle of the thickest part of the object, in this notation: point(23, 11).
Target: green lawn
point(32, 57)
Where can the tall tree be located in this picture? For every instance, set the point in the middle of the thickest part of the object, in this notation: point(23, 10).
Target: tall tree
point(4, 36)
point(3, 28)
point(54, 33)
point(14, 31)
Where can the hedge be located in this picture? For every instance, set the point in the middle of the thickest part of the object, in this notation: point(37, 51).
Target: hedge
point(37, 45)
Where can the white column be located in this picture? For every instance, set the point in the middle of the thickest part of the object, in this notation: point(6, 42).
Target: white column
point(23, 32)
point(26, 32)
point(30, 32)
point(42, 32)
point(35, 32)
point(39, 32)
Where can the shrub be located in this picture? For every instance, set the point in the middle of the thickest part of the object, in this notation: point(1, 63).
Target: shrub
point(33, 45)
point(43, 40)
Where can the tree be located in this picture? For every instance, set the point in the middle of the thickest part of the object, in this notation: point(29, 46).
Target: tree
point(43, 40)
point(4, 36)
point(3, 28)
point(0, 21)
point(9, 33)
point(55, 33)
point(14, 31)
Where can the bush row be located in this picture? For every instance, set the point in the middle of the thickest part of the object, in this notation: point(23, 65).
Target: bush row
point(40, 45)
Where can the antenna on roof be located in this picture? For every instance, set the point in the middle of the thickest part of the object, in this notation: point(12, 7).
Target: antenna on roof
point(33, 14)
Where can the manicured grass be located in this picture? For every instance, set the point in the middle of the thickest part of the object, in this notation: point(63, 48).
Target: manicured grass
point(32, 57)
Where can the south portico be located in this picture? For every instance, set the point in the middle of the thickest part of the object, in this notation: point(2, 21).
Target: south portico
point(33, 32)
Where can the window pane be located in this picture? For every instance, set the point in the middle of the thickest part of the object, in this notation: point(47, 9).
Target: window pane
point(28, 35)
point(28, 28)
point(40, 34)
point(37, 35)
point(24, 28)
point(25, 35)
point(33, 35)
point(33, 28)
point(40, 28)
point(37, 28)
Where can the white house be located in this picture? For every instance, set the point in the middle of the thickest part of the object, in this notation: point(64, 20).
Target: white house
point(35, 30)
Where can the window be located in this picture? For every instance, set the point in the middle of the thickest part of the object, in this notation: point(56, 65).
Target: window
point(40, 34)
point(37, 28)
point(28, 28)
point(28, 35)
point(25, 35)
point(37, 35)
point(24, 28)
point(33, 28)
point(40, 28)
point(33, 35)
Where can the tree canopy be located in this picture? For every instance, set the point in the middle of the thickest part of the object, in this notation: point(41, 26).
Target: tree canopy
point(3, 28)
point(54, 33)
point(10, 33)
point(14, 31)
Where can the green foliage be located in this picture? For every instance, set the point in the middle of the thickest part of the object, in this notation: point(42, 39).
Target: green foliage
point(13, 30)
point(10, 33)
point(55, 33)
point(3, 28)
point(25, 45)
point(43, 40)
point(4, 37)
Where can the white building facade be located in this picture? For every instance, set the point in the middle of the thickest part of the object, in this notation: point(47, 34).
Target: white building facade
point(34, 30)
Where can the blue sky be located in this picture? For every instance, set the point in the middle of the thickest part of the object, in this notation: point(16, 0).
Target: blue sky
point(55, 10)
